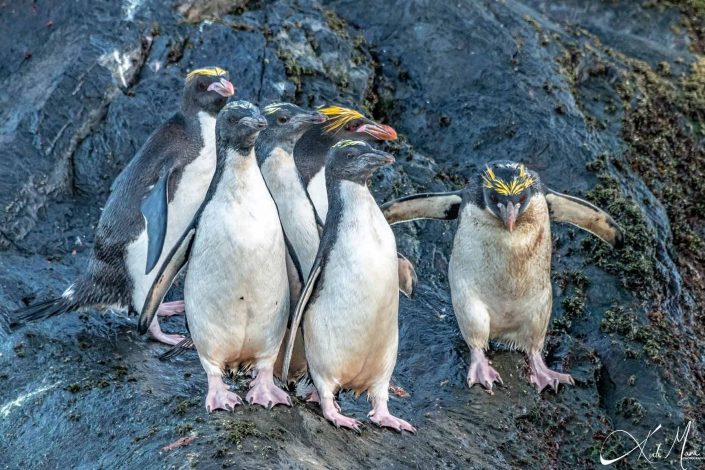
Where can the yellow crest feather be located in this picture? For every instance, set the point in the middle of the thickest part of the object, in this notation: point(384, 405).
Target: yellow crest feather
point(338, 117)
point(207, 71)
point(507, 188)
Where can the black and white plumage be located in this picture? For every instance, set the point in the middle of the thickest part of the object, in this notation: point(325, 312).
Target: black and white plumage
point(311, 150)
point(350, 302)
point(500, 266)
point(152, 201)
point(310, 156)
point(236, 289)
point(275, 155)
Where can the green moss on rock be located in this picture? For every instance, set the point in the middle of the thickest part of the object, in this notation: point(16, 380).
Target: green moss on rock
point(237, 431)
point(635, 264)
point(630, 407)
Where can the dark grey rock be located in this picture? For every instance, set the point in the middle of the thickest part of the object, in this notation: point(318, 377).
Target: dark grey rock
point(84, 83)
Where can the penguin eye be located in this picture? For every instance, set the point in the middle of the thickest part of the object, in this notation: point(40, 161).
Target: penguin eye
point(202, 86)
point(522, 199)
point(350, 127)
point(232, 120)
point(493, 198)
point(283, 119)
point(349, 155)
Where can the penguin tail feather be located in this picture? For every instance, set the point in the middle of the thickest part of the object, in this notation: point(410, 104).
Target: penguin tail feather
point(177, 350)
point(42, 311)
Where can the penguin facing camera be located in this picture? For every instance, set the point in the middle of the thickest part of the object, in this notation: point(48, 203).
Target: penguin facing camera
point(349, 305)
point(500, 266)
point(236, 289)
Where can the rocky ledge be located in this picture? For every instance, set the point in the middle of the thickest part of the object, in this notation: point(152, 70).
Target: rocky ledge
point(605, 99)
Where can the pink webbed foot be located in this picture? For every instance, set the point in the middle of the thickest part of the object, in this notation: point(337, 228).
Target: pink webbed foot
point(481, 372)
point(542, 376)
point(167, 309)
point(331, 411)
point(219, 396)
point(381, 417)
point(156, 332)
point(264, 392)
point(313, 397)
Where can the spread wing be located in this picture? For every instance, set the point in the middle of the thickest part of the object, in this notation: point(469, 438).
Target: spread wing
point(442, 206)
point(582, 214)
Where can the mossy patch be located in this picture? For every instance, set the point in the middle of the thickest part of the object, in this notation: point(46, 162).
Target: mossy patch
point(572, 285)
point(692, 19)
point(237, 431)
point(630, 407)
point(654, 337)
point(636, 263)
point(336, 23)
point(183, 406)
point(662, 118)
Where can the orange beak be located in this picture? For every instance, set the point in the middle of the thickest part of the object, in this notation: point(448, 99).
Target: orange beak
point(378, 131)
point(223, 87)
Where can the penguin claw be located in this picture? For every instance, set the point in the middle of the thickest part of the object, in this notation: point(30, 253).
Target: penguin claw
point(481, 372)
point(349, 423)
point(386, 420)
point(331, 411)
point(222, 400)
point(488, 387)
point(267, 395)
point(542, 377)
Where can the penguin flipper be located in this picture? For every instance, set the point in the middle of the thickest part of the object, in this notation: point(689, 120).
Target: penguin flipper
point(173, 263)
point(442, 206)
point(407, 275)
point(299, 313)
point(582, 214)
point(155, 212)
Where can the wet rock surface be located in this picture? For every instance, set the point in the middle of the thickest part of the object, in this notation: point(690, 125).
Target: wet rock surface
point(605, 101)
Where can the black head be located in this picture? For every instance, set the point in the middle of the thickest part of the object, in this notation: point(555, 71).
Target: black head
point(287, 122)
point(348, 124)
point(507, 188)
point(206, 89)
point(355, 161)
point(238, 125)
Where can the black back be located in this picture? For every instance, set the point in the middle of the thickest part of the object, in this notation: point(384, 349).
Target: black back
point(173, 145)
point(311, 150)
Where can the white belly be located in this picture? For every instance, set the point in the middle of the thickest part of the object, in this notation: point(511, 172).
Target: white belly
point(295, 211)
point(318, 194)
point(236, 291)
point(350, 328)
point(189, 195)
point(508, 274)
